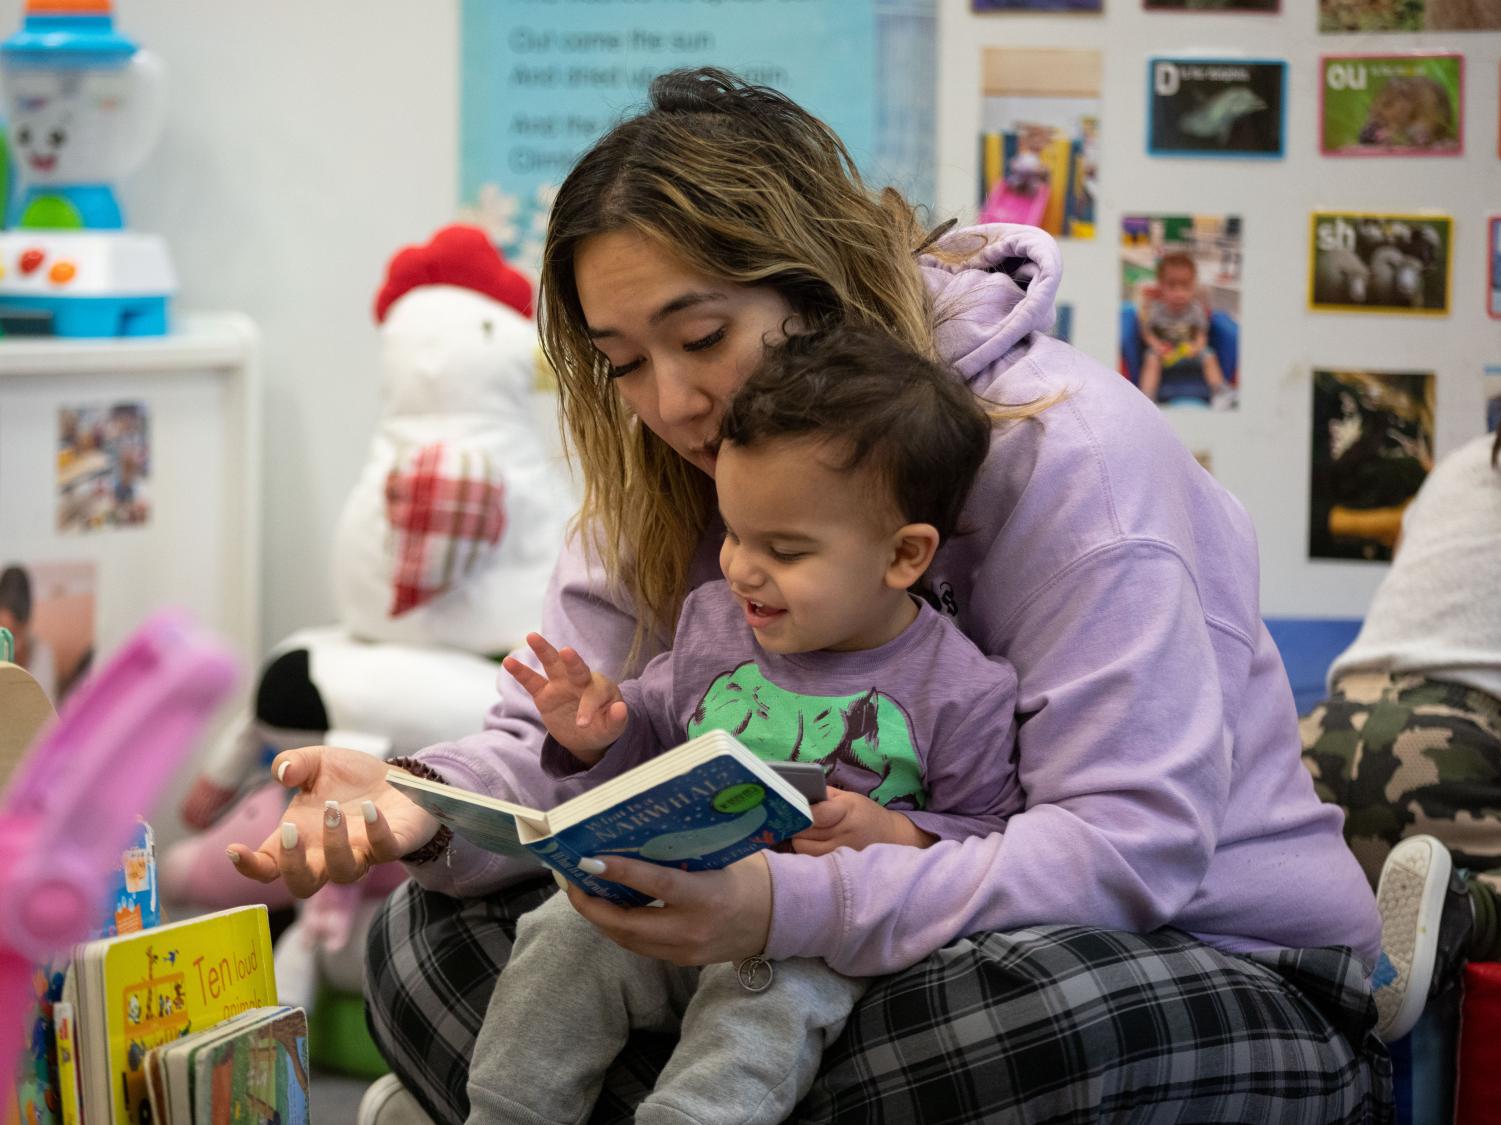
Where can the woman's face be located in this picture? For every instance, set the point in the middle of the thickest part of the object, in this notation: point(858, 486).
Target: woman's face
point(679, 342)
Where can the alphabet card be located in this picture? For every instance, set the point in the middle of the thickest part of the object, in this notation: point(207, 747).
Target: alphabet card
point(1216, 107)
point(1379, 263)
point(1392, 105)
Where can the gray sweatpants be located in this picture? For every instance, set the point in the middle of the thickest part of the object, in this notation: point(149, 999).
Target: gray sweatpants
point(569, 998)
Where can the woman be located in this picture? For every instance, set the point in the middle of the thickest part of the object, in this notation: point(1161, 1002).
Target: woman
point(1159, 753)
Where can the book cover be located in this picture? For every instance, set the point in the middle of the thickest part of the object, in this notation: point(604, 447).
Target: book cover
point(257, 1074)
point(700, 806)
point(167, 982)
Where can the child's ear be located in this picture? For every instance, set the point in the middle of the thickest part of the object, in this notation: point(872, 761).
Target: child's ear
point(913, 546)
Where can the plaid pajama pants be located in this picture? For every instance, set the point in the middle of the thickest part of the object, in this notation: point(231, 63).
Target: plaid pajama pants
point(1047, 1024)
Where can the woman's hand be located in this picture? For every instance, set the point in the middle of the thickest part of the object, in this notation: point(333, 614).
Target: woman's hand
point(344, 819)
point(852, 820)
point(582, 709)
point(706, 917)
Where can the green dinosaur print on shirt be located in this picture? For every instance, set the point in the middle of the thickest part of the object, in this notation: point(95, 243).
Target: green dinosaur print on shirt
point(868, 729)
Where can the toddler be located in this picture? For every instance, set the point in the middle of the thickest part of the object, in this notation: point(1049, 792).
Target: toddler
point(1175, 326)
point(844, 461)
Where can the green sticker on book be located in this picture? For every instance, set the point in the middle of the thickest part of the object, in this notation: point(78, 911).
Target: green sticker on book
point(7, 646)
point(738, 798)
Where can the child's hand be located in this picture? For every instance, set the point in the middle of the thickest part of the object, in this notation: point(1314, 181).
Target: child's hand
point(1162, 348)
point(581, 709)
point(849, 820)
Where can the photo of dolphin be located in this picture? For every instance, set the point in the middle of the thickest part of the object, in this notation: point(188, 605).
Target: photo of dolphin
point(1217, 117)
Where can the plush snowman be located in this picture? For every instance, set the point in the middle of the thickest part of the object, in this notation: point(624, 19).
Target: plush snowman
point(450, 536)
point(442, 554)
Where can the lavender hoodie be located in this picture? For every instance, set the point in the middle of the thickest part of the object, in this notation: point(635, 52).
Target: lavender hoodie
point(1158, 748)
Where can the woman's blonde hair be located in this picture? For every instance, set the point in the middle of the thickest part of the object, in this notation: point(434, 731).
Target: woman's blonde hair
point(739, 183)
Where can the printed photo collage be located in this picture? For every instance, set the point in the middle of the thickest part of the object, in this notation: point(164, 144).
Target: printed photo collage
point(1180, 301)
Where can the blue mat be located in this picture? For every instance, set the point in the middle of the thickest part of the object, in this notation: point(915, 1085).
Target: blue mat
point(1308, 646)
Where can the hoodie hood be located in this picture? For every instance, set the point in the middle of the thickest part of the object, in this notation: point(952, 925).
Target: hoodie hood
point(992, 286)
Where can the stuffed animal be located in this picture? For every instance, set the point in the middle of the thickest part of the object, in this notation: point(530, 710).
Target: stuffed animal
point(442, 552)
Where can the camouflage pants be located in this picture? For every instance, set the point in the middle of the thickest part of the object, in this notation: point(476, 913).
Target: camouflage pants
point(1404, 755)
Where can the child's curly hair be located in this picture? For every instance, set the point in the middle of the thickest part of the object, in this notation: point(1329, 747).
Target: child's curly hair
point(908, 420)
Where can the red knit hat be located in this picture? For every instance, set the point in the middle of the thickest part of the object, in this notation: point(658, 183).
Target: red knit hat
point(457, 255)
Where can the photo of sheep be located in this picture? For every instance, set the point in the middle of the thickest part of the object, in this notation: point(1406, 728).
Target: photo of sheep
point(1392, 105)
point(1380, 263)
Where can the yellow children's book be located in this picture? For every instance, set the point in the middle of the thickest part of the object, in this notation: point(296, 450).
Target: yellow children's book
point(137, 991)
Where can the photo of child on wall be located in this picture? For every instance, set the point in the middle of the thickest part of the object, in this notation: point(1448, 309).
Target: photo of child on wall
point(1039, 140)
point(1379, 263)
point(103, 466)
point(1215, 107)
point(1392, 105)
point(1180, 308)
point(1409, 15)
point(49, 608)
point(1372, 449)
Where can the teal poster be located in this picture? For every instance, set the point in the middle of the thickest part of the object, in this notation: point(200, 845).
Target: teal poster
point(542, 79)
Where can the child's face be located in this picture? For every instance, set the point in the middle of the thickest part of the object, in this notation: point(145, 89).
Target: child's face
point(1177, 285)
point(807, 548)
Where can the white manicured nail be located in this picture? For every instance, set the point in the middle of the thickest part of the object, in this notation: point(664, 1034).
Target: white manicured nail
point(234, 856)
point(593, 866)
point(288, 835)
point(331, 814)
point(281, 771)
point(367, 810)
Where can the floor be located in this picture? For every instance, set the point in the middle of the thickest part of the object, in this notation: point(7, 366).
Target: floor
point(335, 1098)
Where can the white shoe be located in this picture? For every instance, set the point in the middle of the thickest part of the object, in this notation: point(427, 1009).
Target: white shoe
point(1425, 925)
point(388, 1102)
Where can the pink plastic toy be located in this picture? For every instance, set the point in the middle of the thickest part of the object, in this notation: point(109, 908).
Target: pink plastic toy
point(73, 801)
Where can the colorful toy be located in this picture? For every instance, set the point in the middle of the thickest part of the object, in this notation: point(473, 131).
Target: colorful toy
point(443, 551)
point(85, 105)
point(71, 805)
point(1007, 204)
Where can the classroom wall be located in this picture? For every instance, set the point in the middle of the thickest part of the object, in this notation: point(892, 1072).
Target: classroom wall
point(306, 141)
point(1262, 451)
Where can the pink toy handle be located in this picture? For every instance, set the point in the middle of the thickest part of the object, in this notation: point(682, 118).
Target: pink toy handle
point(73, 802)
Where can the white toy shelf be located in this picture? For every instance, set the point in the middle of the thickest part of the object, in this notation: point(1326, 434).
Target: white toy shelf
point(199, 546)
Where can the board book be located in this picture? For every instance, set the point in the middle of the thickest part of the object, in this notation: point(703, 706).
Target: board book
point(252, 1068)
point(704, 804)
point(133, 992)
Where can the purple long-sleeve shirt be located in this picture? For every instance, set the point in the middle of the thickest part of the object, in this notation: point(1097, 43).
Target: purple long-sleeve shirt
point(1158, 748)
point(924, 723)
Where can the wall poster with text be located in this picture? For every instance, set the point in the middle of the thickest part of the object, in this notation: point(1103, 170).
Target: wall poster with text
point(541, 81)
point(1392, 105)
point(1216, 107)
point(1371, 263)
